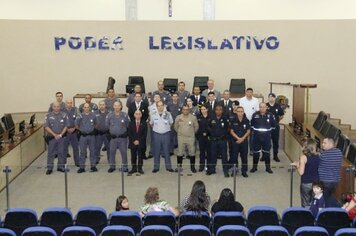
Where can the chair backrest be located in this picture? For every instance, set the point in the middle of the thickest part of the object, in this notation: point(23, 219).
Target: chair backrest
point(333, 219)
point(237, 86)
point(93, 217)
point(78, 231)
point(343, 143)
point(346, 232)
point(233, 230)
point(170, 84)
point(201, 82)
point(127, 218)
point(7, 232)
point(311, 231)
point(18, 219)
point(260, 216)
point(194, 218)
point(325, 128)
point(320, 119)
point(57, 218)
point(133, 80)
point(117, 230)
point(160, 218)
point(39, 231)
point(351, 154)
point(156, 230)
point(333, 132)
point(222, 218)
point(295, 217)
point(194, 230)
point(271, 230)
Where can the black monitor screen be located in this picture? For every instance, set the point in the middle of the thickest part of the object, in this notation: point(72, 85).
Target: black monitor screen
point(351, 155)
point(135, 79)
point(8, 122)
point(2, 131)
point(32, 120)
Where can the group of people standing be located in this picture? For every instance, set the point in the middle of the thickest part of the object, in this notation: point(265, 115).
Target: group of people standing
point(220, 127)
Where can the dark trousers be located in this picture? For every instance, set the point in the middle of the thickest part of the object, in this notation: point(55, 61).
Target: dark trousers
point(203, 142)
point(261, 143)
point(72, 139)
point(137, 153)
point(218, 147)
point(275, 140)
point(241, 149)
point(101, 139)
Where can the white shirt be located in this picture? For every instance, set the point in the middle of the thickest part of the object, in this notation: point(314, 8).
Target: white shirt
point(250, 106)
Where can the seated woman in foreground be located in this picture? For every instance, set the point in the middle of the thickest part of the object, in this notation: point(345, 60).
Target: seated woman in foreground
point(226, 202)
point(153, 203)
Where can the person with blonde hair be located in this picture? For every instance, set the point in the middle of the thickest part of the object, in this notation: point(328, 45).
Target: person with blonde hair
point(153, 203)
point(307, 166)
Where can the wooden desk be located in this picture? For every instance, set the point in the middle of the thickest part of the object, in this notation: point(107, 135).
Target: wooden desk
point(293, 149)
point(20, 154)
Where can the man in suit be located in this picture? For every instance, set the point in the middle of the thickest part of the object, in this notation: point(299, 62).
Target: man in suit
point(138, 104)
point(137, 133)
point(226, 103)
point(211, 103)
point(131, 97)
point(196, 97)
point(211, 88)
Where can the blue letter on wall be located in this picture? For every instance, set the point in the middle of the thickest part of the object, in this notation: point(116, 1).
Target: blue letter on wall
point(59, 42)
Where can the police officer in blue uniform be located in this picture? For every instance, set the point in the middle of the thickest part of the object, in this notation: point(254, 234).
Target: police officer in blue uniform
point(118, 122)
point(86, 124)
point(72, 132)
point(164, 94)
point(218, 132)
point(93, 106)
point(110, 100)
point(240, 130)
point(262, 124)
point(56, 124)
point(101, 132)
point(202, 136)
point(161, 122)
point(278, 112)
point(59, 99)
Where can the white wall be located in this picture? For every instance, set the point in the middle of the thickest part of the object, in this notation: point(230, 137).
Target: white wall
point(182, 9)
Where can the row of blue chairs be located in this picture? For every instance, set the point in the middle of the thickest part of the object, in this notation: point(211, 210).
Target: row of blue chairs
point(332, 219)
point(188, 230)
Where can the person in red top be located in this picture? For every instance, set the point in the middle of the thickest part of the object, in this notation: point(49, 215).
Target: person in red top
point(350, 206)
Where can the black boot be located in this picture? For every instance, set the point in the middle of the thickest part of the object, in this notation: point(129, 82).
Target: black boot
point(256, 157)
point(179, 164)
point(140, 170)
point(268, 163)
point(192, 164)
point(133, 170)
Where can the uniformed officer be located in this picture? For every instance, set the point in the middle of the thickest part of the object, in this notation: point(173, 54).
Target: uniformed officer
point(262, 124)
point(202, 136)
point(109, 101)
point(240, 130)
point(93, 106)
point(72, 133)
point(164, 94)
point(182, 93)
point(117, 122)
point(218, 131)
point(101, 132)
point(86, 123)
point(56, 124)
point(161, 122)
point(59, 99)
point(186, 125)
point(194, 110)
point(226, 103)
point(174, 108)
point(278, 112)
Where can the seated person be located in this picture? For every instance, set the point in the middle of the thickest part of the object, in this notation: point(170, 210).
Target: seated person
point(198, 200)
point(318, 201)
point(153, 203)
point(122, 203)
point(350, 205)
point(226, 202)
